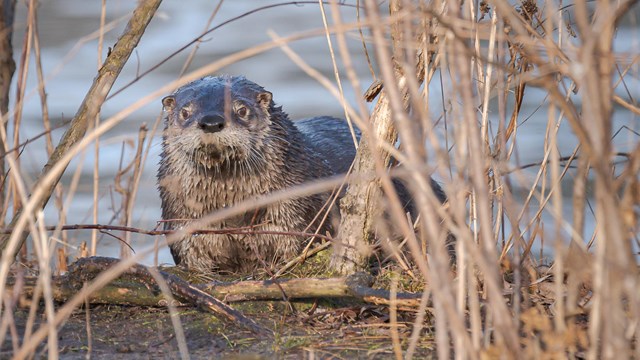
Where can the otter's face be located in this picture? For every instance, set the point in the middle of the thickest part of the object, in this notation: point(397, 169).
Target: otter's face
point(216, 120)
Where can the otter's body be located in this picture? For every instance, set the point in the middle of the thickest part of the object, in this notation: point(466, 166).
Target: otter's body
point(224, 142)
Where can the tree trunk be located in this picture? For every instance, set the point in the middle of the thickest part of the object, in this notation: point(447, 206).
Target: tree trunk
point(360, 207)
point(7, 68)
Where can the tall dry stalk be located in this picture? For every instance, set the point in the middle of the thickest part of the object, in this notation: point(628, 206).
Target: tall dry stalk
point(96, 148)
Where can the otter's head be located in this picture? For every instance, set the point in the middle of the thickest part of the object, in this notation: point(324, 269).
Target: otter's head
point(218, 121)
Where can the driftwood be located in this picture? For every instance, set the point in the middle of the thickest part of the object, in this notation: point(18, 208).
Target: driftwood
point(138, 287)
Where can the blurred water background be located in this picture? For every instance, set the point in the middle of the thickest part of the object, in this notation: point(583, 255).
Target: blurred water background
point(70, 66)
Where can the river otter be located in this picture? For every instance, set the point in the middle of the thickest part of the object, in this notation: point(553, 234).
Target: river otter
point(226, 141)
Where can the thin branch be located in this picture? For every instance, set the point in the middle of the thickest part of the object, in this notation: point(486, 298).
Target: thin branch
point(240, 230)
point(199, 37)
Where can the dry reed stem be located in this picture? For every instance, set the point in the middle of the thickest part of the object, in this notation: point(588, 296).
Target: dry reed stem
point(607, 336)
point(44, 252)
point(96, 147)
point(87, 312)
point(7, 322)
point(23, 70)
point(336, 72)
point(45, 117)
point(348, 63)
point(393, 319)
point(132, 190)
point(173, 314)
point(41, 85)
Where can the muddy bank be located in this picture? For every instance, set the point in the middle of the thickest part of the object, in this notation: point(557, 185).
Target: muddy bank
point(301, 330)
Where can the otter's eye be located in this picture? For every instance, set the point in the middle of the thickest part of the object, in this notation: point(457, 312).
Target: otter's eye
point(242, 111)
point(184, 113)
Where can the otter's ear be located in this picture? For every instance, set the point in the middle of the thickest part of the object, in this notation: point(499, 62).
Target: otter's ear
point(169, 103)
point(264, 99)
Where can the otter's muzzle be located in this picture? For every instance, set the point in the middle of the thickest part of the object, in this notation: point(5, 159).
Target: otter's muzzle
point(211, 123)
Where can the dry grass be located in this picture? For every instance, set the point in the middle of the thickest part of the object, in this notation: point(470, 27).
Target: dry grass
point(531, 280)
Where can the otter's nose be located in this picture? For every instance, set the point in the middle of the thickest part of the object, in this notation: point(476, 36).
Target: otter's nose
point(211, 123)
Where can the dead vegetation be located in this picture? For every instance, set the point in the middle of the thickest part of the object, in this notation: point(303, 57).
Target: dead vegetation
point(546, 253)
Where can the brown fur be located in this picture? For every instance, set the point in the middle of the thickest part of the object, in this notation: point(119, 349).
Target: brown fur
point(257, 151)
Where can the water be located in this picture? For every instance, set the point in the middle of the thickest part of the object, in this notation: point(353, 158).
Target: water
point(63, 22)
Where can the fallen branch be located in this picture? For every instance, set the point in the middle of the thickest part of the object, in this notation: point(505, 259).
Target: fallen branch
point(252, 230)
point(86, 269)
point(138, 287)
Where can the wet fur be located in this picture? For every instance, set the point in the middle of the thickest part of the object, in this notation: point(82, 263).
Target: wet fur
point(202, 172)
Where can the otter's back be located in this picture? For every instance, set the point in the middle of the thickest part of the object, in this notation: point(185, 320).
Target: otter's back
point(331, 139)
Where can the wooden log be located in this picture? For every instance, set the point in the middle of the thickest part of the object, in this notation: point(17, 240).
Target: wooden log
point(137, 287)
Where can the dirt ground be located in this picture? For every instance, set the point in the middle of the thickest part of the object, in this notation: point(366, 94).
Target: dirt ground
point(356, 331)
